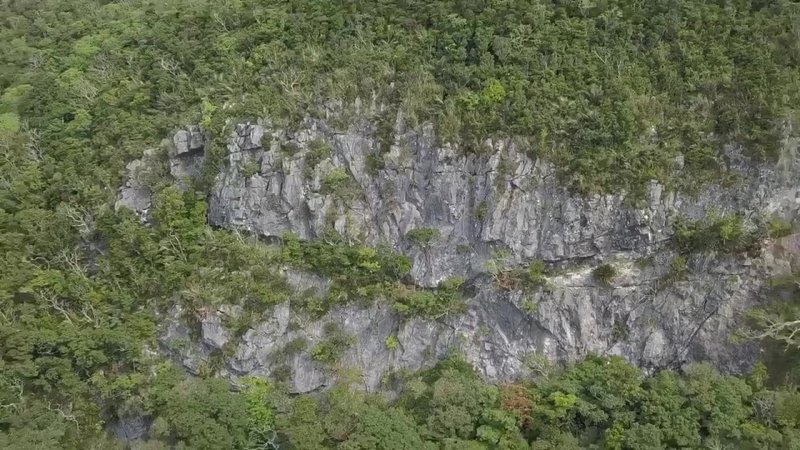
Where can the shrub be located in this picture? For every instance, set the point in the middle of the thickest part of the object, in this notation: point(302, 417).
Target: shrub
point(536, 273)
point(463, 249)
point(422, 237)
point(604, 273)
point(374, 163)
point(509, 279)
point(250, 168)
point(282, 373)
point(318, 150)
point(481, 211)
point(725, 233)
point(530, 305)
point(290, 148)
point(339, 184)
point(619, 331)
point(778, 228)
point(432, 303)
point(9, 122)
point(331, 349)
point(678, 266)
point(295, 346)
point(493, 92)
point(356, 271)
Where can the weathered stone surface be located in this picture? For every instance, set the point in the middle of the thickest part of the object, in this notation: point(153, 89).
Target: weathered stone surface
point(187, 152)
point(502, 333)
point(131, 430)
point(134, 194)
point(499, 200)
point(213, 332)
point(189, 140)
point(479, 204)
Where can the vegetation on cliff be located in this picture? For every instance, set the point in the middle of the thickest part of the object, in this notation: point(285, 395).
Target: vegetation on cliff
point(615, 93)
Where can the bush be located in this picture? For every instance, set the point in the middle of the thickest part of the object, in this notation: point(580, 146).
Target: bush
point(318, 150)
point(337, 182)
point(619, 331)
point(778, 228)
point(604, 273)
point(331, 349)
point(374, 163)
point(725, 233)
point(431, 303)
point(516, 278)
point(295, 346)
point(356, 271)
point(678, 268)
point(422, 237)
point(481, 211)
point(536, 273)
point(530, 305)
point(282, 372)
point(250, 168)
point(290, 148)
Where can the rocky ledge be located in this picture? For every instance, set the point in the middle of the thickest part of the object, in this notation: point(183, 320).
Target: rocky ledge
point(477, 206)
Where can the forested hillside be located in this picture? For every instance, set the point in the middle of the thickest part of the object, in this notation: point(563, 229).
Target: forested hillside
point(613, 93)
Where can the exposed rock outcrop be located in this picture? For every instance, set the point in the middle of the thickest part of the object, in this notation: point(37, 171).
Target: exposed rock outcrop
point(187, 152)
point(318, 178)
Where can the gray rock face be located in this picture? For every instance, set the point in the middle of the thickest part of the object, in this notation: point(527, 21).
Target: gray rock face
point(316, 179)
point(189, 140)
point(186, 153)
point(131, 430)
point(500, 200)
point(134, 195)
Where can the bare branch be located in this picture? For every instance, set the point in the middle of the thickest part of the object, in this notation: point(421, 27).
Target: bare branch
point(50, 297)
point(64, 413)
point(168, 64)
point(777, 329)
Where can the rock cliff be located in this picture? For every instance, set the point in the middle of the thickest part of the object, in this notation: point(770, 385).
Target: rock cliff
point(500, 201)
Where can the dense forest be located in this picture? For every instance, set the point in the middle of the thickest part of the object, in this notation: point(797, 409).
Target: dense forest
point(610, 91)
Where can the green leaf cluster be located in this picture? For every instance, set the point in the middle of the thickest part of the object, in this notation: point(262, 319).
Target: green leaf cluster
point(726, 233)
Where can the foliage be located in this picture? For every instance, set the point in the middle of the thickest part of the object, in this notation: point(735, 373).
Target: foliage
point(724, 233)
point(600, 402)
point(610, 92)
point(422, 237)
point(604, 273)
point(261, 420)
point(431, 303)
point(201, 414)
point(481, 211)
point(295, 346)
point(302, 428)
point(318, 150)
point(508, 277)
point(339, 183)
point(356, 271)
point(677, 269)
point(530, 305)
point(537, 272)
point(250, 168)
point(365, 273)
point(779, 324)
point(778, 228)
point(335, 342)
